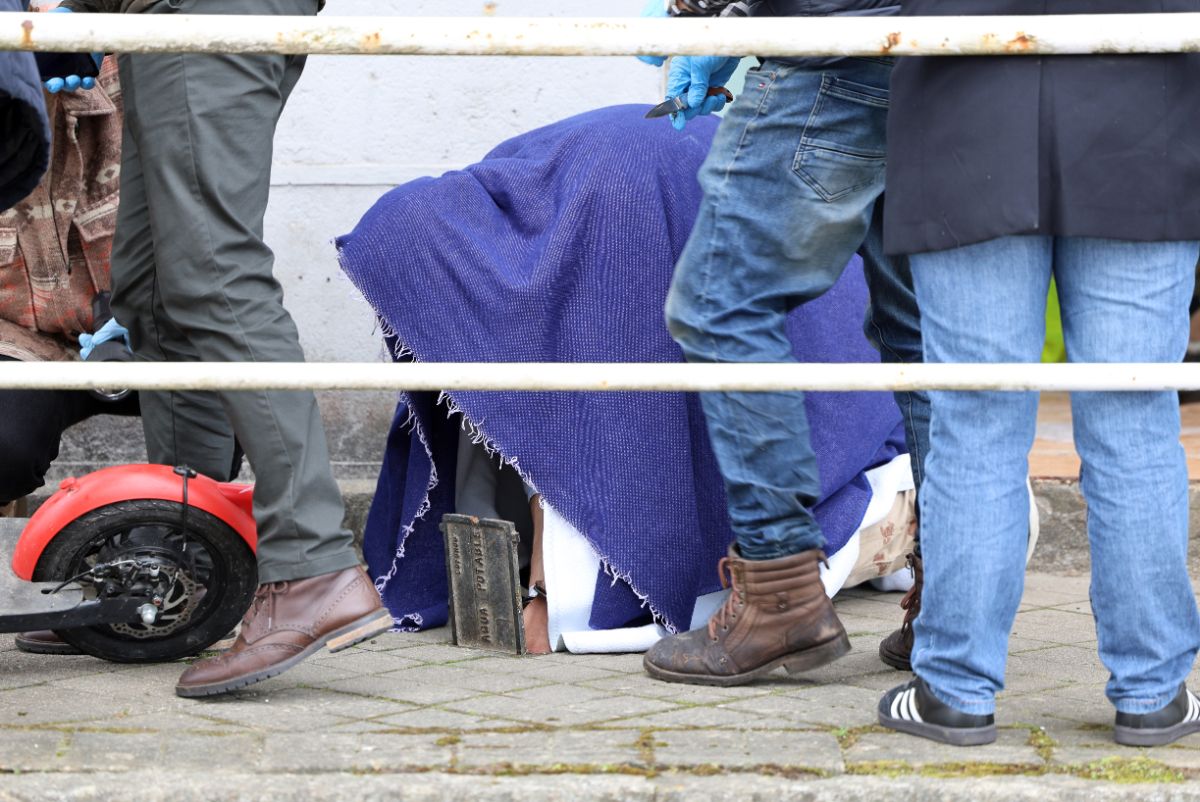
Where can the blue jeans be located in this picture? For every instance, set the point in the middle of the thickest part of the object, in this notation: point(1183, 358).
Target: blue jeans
point(791, 190)
point(1121, 302)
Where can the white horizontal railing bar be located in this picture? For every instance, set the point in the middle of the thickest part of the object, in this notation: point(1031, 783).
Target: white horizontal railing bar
point(591, 376)
point(579, 36)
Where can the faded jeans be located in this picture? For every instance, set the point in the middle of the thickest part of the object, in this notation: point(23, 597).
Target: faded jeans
point(1121, 302)
point(792, 189)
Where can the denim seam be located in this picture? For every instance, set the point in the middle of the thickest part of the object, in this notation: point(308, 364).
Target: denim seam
point(1145, 704)
point(705, 296)
point(963, 705)
point(844, 90)
point(808, 145)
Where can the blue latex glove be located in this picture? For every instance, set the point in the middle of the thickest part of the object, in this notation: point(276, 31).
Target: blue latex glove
point(72, 82)
point(111, 330)
point(692, 76)
point(654, 8)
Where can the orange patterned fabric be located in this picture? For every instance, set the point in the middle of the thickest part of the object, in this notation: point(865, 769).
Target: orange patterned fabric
point(55, 244)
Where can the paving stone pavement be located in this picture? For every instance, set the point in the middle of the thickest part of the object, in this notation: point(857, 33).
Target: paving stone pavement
point(409, 716)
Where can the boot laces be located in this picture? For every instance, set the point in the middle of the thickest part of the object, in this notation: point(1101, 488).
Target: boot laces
point(264, 596)
point(728, 611)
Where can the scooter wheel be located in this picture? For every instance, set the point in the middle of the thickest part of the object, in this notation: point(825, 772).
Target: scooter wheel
point(213, 576)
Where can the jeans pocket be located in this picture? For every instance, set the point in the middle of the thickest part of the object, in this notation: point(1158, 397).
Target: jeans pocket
point(844, 145)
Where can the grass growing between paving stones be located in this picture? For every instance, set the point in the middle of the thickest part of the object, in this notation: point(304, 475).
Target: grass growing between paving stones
point(646, 743)
point(1128, 770)
point(1039, 739)
point(880, 768)
point(848, 736)
point(967, 769)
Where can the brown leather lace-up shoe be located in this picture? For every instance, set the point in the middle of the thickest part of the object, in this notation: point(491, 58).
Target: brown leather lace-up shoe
point(287, 622)
point(43, 641)
point(896, 649)
point(777, 615)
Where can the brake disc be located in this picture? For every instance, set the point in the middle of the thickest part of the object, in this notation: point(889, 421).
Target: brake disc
point(178, 604)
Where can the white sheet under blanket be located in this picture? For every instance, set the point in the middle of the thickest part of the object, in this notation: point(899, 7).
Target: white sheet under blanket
point(572, 565)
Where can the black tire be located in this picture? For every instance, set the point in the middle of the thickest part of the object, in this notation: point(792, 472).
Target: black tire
point(222, 568)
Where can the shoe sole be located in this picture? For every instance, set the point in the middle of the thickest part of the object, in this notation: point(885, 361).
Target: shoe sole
point(35, 647)
point(900, 662)
point(954, 736)
point(793, 663)
point(365, 628)
point(1134, 736)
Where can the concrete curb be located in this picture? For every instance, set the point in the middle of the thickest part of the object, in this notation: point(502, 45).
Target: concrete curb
point(160, 786)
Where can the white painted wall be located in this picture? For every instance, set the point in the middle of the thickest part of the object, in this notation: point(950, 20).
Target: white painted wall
point(359, 125)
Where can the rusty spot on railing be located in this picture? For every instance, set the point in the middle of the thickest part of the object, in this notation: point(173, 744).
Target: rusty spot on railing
point(27, 33)
point(372, 41)
point(893, 39)
point(1021, 42)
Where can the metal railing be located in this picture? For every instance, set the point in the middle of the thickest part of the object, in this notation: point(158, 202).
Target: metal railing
point(495, 36)
point(593, 377)
point(606, 36)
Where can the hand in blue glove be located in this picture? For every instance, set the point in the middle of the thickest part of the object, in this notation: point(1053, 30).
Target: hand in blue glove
point(691, 76)
point(654, 8)
point(72, 82)
point(110, 331)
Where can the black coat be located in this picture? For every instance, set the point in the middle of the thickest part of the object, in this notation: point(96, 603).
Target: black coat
point(1100, 146)
point(24, 129)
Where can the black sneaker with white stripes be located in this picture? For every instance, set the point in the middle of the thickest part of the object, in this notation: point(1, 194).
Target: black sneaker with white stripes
point(1180, 717)
point(912, 708)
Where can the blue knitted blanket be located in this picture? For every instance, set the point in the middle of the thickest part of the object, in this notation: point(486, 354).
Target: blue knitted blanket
point(559, 247)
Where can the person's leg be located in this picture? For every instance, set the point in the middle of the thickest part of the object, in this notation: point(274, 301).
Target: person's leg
point(789, 186)
point(536, 613)
point(31, 427)
point(893, 325)
point(204, 126)
point(32, 423)
point(476, 474)
point(1127, 302)
point(181, 428)
point(979, 303)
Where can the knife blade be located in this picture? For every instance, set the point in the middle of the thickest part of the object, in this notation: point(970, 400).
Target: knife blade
point(674, 105)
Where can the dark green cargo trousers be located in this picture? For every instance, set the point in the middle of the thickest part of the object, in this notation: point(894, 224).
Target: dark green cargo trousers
point(192, 281)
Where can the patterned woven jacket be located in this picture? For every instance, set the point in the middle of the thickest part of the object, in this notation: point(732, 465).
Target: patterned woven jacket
point(55, 244)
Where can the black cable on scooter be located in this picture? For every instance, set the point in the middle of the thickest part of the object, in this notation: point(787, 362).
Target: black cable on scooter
point(186, 473)
point(75, 578)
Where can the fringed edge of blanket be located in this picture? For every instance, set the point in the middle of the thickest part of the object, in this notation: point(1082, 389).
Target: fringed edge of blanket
point(408, 622)
point(401, 350)
point(479, 436)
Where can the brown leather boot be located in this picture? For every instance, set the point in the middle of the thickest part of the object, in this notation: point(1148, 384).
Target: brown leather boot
point(287, 622)
point(43, 641)
point(777, 615)
point(896, 649)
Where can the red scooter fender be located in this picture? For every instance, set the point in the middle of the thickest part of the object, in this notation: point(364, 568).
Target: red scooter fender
point(232, 503)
